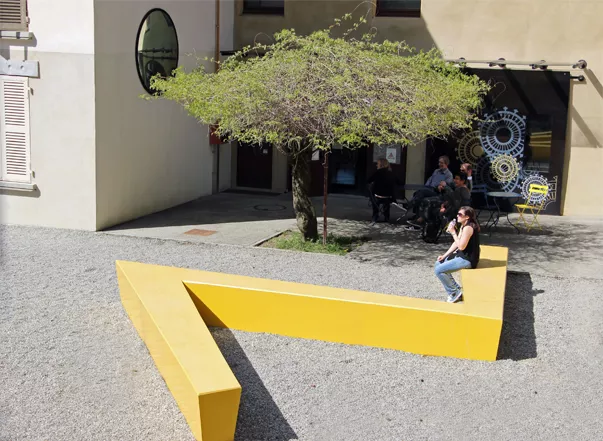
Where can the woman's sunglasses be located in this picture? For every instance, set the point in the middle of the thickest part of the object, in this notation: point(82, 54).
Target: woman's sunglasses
point(460, 214)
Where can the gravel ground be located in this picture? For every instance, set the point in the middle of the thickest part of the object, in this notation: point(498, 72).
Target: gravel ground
point(72, 367)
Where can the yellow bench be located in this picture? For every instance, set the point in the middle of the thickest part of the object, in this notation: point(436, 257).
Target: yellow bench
point(171, 309)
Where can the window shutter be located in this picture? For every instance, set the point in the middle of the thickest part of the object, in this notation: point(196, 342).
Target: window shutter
point(13, 15)
point(14, 128)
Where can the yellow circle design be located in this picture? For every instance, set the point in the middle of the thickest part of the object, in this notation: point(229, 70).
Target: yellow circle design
point(505, 168)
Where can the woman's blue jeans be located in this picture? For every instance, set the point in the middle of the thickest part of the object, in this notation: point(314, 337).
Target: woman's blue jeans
point(443, 270)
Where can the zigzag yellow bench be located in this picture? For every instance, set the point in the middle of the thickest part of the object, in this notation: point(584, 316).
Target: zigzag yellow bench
point(171, 308)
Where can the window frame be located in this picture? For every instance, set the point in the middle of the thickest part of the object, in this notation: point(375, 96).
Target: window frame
point(146, 87)
point(27, 177)
point(246, 10)
point(393, 12)
point(23, 25)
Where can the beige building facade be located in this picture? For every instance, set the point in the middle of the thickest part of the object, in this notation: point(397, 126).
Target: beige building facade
point(80, 148)
point(520, 31)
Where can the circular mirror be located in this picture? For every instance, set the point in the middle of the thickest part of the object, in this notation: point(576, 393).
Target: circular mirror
point(156, 47)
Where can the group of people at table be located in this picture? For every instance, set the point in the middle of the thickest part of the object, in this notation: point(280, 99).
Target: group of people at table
point(452, 192)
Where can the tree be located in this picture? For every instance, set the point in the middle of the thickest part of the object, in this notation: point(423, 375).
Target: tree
point(302, 93)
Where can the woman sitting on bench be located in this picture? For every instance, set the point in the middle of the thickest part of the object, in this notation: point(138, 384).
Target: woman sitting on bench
point(462, 254)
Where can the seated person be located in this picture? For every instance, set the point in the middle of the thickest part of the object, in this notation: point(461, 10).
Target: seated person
point(460, 197)
point(449, 200)
point(433, 184)
point(468, 170)
point(383, 189)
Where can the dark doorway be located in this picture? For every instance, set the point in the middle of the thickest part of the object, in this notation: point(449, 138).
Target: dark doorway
point(525, 119)
point(254, 166)
point(347, 171)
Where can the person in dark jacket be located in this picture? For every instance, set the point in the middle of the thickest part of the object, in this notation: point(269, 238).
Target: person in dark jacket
point(468, 170)
point(382, 189)
point(453, 200)
point(450, 201)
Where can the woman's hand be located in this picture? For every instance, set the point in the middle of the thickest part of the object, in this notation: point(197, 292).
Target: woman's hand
point(441, 258)
point(450, 228)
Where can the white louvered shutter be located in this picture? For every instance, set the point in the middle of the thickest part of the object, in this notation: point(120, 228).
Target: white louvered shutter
point(14, 130)
point(13, 15)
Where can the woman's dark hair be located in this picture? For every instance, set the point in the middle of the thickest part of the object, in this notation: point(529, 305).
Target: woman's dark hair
point(470, 213)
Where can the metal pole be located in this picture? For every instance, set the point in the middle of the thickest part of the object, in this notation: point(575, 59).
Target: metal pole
point(325, 190)
point(217, 48)
point(216, 68)
point(540, 64)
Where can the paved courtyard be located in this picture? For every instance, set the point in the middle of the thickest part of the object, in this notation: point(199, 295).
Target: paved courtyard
point(566, 246)
point(73, 367)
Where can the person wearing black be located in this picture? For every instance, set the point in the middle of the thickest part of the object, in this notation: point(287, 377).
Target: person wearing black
point(463, 253)
point(449, 202)
point(453, 200)
point(383, 189)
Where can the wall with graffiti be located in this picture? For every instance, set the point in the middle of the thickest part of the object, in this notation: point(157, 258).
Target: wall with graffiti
point(519, 139)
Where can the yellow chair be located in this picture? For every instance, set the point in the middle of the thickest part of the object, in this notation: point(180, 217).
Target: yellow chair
point(535, 192)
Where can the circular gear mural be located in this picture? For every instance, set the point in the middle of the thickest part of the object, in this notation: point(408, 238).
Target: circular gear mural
point(534, 178)
point(503, 133)
point(505, 168)
point(486, 180)
point(470, 148)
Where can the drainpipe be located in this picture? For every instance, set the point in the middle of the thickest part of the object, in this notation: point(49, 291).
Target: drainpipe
point(216, 68)
point(217, 48)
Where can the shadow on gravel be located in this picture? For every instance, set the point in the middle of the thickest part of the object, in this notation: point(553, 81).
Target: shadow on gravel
point(518, 338)
point(259, 416)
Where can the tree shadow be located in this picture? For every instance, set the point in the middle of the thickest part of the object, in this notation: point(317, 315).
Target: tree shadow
point(259, 416)
point(518, 337)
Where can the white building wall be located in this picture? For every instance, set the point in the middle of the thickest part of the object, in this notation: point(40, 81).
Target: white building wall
point(150, 155)
point(61, 117)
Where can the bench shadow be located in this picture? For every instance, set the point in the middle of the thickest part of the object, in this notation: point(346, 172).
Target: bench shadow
point(489, 263)
point(259, 416)
point(518, 337)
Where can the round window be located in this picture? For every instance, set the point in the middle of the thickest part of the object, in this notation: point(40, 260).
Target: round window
point(156, 47)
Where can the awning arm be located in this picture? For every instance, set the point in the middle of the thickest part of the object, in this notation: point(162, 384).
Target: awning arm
point(501, 62)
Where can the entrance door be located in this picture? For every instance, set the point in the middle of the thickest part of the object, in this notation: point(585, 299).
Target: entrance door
point(254, 166)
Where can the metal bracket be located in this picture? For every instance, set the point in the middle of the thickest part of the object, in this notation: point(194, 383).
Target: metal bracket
point(19, 68)
point(502, 63)
point(16, 35)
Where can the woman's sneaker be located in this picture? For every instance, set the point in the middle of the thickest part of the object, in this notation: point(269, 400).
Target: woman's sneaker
point(455, 297)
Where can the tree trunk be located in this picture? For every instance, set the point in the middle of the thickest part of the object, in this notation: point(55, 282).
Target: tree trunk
point(304, 210)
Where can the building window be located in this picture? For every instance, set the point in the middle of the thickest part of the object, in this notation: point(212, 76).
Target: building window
point(398, 8)
point(13, 15)
point(156, 47)
point(14, 129)
point(272, 7)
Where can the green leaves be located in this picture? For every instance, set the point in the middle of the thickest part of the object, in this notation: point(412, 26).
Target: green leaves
point(318, 90)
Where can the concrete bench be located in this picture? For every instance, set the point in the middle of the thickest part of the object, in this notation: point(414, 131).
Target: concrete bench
point(171, 308)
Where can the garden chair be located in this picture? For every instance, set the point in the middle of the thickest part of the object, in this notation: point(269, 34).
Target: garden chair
point(536, 193)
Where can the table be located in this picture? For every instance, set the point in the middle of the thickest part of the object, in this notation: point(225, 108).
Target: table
point(498, 195)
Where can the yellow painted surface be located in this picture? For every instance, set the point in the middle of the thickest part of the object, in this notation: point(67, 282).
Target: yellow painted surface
point(172, 307)
point(182, 347)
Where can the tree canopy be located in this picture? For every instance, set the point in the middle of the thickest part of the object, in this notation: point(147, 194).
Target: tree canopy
point(314, 91)
point(318, 90)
